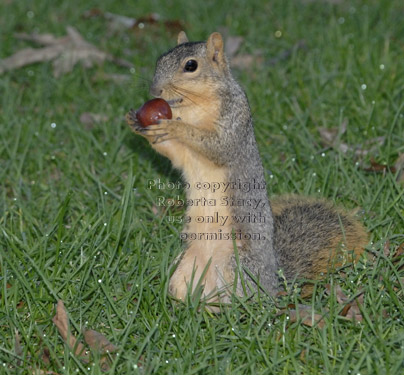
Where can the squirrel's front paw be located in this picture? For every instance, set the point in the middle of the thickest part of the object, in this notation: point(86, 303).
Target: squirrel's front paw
point(133, 122)
point(153, 133)
point(163, 131)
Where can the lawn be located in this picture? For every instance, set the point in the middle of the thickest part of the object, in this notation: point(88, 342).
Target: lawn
point(79, 221)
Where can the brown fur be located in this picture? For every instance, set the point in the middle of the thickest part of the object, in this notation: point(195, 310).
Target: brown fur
point(323, 236)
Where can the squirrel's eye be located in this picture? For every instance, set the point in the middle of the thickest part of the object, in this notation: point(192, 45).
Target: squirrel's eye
point(191, 66)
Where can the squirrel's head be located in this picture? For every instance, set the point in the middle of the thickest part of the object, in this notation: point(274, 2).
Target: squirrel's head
point(191, 70)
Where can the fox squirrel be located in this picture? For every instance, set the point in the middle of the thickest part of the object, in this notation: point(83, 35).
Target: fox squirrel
point(210, 138)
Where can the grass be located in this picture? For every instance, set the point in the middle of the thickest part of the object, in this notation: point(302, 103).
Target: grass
point(78, 223)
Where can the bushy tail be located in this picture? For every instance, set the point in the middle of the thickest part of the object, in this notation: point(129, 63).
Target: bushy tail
point(313, 237)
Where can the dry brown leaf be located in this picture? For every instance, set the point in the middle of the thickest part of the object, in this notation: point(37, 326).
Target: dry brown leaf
point(309, 319)
point(116, 78)
point(232, 45)
point(173, 26)
point(61, 321)
point(341, 296)
point(94, 339)
point(88, 119)
point(285, 54)
point(18, 348)
point(44, 39)
point(398, 252)
point(46, 356)
point(386, 248)
point(118, 21)
point(19, 353)
point(399, 165)
point(98, 342)
point(354, 312)
point(401, 282)
point(305, 315)
point(377, 167)
point(29, 56)
point(92, 13)
point(302, 355)
point(65, 52)
point(350, 307)
point(282, 293)
point(246, 61)
point(155, 210)
point(331, 138)
point(330, 135)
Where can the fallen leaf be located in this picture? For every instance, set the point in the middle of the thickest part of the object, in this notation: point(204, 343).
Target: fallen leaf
point(29, 56)
point(330, 135)
point(116, 78)
point(341, 297)
point(45, 39)
point(398, 252)
point(386, 248)
point(354, 312)
point(331, 138)
point(246, 61)
point(173, 26)
point(46, 356)
point(98, 342)
point(399, 165)
point(149, 18)
point(285, 54)
point(118, 20)
point(88, 119)
point(376, 167)
point(95, 340)
point(61, 321)
point(307, 318)
point(155, 210)
point(92, 13)
point(18, 349)
point(397, 256)
point(232, 45)
point(302, 355)
point(282, 293)
point(305, 315)
point(350, 306)
point(65, 52)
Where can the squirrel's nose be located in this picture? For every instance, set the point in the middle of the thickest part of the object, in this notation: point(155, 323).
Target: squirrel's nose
point(155, 91)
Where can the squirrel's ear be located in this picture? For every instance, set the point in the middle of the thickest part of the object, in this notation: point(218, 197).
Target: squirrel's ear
point(215, 48)
point(182, 38)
